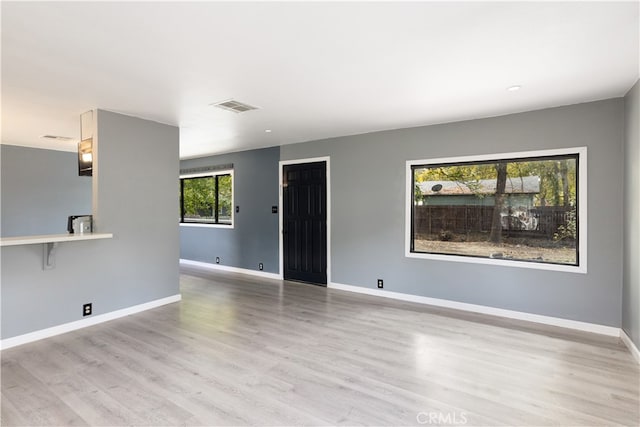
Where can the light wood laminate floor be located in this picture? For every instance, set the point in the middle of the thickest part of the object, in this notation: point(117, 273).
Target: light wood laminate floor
point(239, 350)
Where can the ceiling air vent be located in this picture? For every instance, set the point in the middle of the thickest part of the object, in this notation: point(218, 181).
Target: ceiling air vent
point(235, 106)
point(57, 138)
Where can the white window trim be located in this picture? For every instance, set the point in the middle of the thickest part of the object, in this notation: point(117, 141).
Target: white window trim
point(582, 210)
point(233, 200)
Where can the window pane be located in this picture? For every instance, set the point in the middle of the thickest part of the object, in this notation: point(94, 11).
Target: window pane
point(199, 199)
point(523, 209)
point(224, 199)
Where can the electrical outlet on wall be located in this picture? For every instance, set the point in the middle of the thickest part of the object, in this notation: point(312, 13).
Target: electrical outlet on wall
point(380, 283)
point(87, 309)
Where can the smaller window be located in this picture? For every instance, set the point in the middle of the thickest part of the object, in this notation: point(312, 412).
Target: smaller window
point(207, 199)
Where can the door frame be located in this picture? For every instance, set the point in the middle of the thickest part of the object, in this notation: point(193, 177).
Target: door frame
point(281, 164)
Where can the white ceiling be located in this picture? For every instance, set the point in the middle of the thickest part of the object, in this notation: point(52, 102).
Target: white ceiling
point(317, 70)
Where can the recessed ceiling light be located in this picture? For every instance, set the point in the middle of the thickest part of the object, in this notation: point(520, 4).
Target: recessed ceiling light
point(514, 88)
point(267, 130)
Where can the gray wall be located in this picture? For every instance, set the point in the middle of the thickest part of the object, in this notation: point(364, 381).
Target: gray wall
point(631, 287)
point(135, 200)
point(40, 188)
point(368, 208)
point(254, 238)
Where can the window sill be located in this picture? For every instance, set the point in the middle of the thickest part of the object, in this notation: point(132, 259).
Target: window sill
point(500, 262)
point(199, 224)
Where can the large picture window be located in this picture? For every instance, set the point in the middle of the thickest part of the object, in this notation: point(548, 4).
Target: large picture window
point(207, 199)
point(524, 209)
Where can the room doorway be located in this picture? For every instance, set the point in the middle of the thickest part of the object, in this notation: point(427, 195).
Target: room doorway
point(304, 225)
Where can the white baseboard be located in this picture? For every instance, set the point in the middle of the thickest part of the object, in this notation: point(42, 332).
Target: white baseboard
point(536, 318)
point(630, 345)
point(83, 323)
point(218, 267)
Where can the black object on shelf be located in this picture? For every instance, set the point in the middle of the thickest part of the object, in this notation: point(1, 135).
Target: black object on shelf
point(80, 224)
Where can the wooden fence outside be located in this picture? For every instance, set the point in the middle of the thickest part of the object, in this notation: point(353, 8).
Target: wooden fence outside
point(430, 220)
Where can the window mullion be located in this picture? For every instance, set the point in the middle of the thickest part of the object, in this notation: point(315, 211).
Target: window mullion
point(216, 196)
point(182, 200)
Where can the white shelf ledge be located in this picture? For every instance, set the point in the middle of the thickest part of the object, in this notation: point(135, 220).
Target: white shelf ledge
point(50, 244)
point(52, 238)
